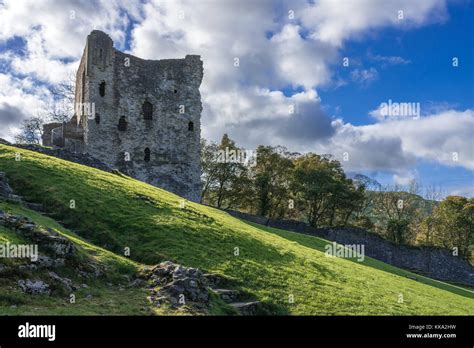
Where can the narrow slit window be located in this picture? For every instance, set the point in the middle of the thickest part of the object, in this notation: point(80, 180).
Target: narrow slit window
point(97, 118)
point(122, 125)
point(190, 126)
point(102, 89)
point(147, 111)
point(147, 155)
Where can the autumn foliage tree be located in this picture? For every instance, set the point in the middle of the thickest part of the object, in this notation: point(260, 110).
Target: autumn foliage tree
point(451, 225)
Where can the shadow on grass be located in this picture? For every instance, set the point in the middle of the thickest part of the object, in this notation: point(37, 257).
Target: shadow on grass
point(317, 243)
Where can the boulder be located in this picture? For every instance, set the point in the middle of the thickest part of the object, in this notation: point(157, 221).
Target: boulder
point(37, 287)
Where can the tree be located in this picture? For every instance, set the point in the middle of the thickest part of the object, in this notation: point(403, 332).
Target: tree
point(61, 110)
point(398, 211)
point(63, 107)
point(327, 196)
point(271, 180)
point(223, 174)
point(208, 167)
point(452, 224)
point(370, 187)
point(31, 131)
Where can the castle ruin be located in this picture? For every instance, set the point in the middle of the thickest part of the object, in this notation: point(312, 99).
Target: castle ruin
point(139, 116)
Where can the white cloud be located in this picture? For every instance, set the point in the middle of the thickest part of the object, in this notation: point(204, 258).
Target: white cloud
point(395, 146)
point(336, 21)
point(274, 52)
point(19, 98)
point(55, 32)
point(389, 60)
point(364, 76)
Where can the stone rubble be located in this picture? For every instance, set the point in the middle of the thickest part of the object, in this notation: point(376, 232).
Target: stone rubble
point(37, 287)
point(178, 285)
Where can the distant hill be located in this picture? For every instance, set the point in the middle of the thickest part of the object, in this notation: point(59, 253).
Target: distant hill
point(426, 206)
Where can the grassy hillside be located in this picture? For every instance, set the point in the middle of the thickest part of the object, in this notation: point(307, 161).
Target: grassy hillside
point(102, 296)
point(116, 212)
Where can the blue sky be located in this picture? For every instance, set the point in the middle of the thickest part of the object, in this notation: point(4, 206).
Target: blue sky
point(428, 78)
point(284, 60)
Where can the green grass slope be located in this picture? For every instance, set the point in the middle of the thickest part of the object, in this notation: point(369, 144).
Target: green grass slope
point(105, 295)
point(288, 272)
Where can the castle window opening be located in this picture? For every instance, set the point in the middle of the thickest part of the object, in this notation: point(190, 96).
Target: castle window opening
point(190, 126)
point(102, 89)
point(122, 125)
point(147, 155)
point(97, 118)
point(175, 91)
point(147, 111)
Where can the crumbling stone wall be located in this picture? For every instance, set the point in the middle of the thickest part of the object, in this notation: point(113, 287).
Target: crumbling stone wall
point(140, 116)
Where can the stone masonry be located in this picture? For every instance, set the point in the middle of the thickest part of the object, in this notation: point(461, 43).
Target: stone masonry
point(139, 116)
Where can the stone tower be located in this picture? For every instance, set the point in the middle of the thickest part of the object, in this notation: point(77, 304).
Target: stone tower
point(140, 116)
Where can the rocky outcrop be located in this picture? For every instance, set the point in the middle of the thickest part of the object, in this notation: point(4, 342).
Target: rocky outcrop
point(59, 247)
point(6, 193)
point(180, 286)
point(37, 287)
point(40, 276)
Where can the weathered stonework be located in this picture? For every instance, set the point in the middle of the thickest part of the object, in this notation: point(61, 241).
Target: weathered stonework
point(139, 116)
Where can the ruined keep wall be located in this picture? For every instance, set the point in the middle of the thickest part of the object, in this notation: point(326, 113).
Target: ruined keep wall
point(168, 85)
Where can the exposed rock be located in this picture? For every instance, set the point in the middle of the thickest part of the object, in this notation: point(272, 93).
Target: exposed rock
point(37, 287)
point(247, 308)
point(216, 280)
point(34, 206)
point(42, 262)
point(228, 295)
point(137, 283)
point(5, 190)
point(178, 285)
point(65, 283)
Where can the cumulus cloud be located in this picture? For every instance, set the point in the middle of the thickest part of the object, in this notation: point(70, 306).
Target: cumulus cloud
point(395, 146)
point(54, 32)
point(337, 21)
point(275, 52)
point(19, 98)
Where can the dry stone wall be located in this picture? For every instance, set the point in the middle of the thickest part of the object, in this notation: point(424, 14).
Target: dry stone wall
point(432, 262)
